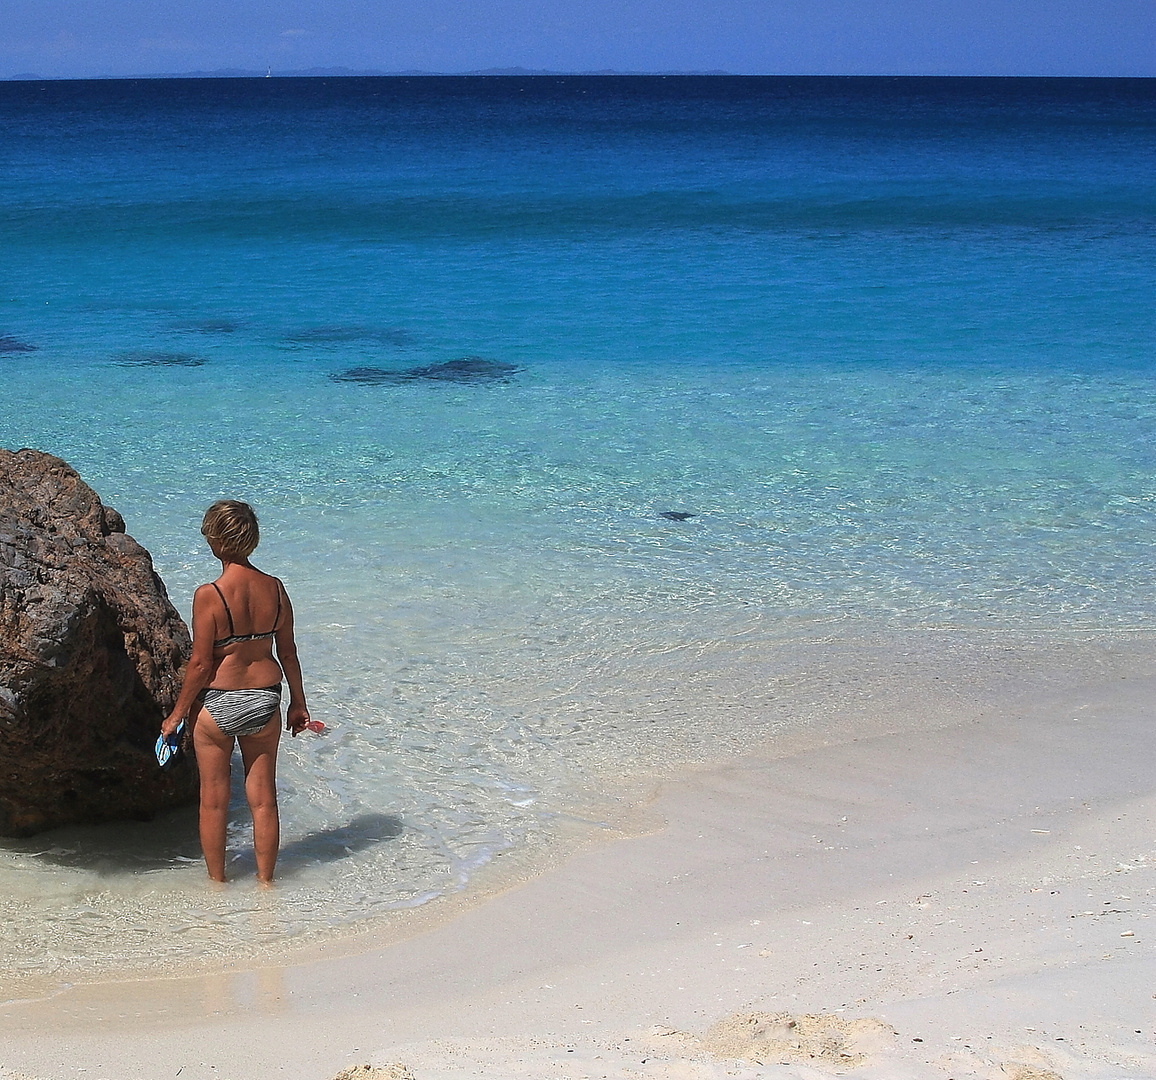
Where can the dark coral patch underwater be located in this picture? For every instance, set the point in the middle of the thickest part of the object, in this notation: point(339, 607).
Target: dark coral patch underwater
point(158, 359)
point(470, 370)
point(9, 344)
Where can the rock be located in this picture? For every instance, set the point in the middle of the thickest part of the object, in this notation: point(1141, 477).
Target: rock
point(91, 651)
point(676, 515)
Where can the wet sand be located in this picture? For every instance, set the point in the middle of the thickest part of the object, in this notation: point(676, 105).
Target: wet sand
point(972, 901)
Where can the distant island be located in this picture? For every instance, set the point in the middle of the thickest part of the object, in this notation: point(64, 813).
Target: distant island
point(346, 73)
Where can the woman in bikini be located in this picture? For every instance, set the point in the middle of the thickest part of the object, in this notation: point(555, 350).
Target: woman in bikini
point(232, 687)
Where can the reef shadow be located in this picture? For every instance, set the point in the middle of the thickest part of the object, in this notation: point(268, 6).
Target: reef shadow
point(158, 359)
point(9, 344)
point(469, 370)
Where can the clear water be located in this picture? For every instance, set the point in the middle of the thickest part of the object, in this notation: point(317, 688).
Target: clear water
point(889, 341)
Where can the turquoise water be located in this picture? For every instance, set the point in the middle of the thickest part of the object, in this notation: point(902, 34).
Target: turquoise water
point(890, 342)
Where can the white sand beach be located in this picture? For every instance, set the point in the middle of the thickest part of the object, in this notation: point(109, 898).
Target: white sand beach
point(969, 902)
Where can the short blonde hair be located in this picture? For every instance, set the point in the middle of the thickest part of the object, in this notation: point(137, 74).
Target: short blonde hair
point(231, 527)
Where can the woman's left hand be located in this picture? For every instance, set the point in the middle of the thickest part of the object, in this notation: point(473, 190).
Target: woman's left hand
point(296, 717)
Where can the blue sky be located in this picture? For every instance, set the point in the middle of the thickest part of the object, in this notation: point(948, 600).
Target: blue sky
point(81, 38)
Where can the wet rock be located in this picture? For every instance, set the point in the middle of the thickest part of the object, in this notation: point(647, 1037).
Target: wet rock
point(676, 515)
point(90, 656)
point(159, 359)
point(466, 371)
point(9, 344)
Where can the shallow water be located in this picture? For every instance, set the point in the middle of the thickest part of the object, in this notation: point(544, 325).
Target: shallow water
point(887, 343)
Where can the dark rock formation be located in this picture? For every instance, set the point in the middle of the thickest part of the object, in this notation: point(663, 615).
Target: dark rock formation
point(9, 344)
point(470, 369)
point(676, 515)
point(90, 657)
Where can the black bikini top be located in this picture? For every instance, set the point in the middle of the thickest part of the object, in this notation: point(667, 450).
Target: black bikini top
point(233, 638)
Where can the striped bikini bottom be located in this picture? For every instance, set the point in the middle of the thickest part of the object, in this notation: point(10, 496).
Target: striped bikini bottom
point(243, 712)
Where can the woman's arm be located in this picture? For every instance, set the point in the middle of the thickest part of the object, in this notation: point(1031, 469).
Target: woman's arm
point(200, 668)
point(297, 714)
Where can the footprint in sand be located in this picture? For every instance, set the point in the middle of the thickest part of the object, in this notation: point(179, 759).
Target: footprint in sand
point(394, 1071)
point(771, 1039)
point(1014, 1071)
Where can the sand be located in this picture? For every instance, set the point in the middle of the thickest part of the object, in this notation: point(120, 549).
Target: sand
point(974, 901)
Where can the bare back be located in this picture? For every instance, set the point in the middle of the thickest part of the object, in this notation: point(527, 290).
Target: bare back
point(249, 610)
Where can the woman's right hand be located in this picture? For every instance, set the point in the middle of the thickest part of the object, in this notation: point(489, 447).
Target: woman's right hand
point(170, 724)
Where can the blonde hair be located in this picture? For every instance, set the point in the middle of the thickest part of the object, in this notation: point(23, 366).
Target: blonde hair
point(231, 527)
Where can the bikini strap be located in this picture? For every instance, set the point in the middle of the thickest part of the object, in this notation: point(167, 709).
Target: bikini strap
point(277, 617)
point(228, 613)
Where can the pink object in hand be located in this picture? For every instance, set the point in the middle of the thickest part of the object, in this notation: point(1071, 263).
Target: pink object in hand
point(315, 726)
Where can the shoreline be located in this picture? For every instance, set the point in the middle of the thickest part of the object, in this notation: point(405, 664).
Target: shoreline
point(778, 884)
point(814, 691)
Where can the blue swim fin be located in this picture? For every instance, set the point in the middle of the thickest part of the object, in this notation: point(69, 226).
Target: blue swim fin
point(169, 750)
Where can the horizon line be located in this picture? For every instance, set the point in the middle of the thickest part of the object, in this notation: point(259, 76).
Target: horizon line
point(518, 72)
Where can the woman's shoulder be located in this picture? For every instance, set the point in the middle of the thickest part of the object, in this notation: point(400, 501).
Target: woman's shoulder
point(275, 580)
point(207, 600)
point(259, 575)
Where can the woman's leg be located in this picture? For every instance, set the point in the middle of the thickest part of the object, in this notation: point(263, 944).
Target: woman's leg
point(214, 752)
point(259, 753)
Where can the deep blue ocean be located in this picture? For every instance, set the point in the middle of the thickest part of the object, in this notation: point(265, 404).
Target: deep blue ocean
point(881, 350)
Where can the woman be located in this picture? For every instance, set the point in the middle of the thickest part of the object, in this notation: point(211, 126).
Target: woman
point(232, 687)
